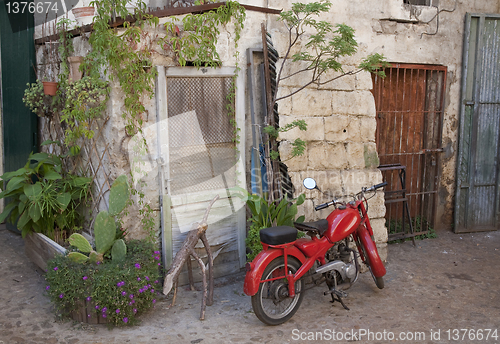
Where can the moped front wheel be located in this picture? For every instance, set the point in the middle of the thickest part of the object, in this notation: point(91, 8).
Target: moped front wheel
point(379, 281)
point(272, 304)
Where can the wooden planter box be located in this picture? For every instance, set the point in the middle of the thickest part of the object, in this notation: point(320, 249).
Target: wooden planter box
point(40, 248)
point(88, 314)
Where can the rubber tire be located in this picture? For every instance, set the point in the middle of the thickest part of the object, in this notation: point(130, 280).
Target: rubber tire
point(379, 281)
point(293, 265)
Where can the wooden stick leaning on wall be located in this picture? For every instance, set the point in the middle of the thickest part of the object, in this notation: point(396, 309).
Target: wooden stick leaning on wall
point(183, 256)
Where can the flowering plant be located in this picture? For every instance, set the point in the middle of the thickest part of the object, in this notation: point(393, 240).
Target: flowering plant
point(118, 291)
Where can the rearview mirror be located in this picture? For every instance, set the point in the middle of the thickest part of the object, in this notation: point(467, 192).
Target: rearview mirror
point(309, 183)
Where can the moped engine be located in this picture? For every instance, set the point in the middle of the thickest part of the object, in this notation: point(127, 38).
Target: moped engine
point(341, 269)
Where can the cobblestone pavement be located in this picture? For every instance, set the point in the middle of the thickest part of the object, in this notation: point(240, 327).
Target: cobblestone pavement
point(435, 288)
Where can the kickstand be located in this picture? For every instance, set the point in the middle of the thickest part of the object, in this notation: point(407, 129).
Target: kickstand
point(339, 299)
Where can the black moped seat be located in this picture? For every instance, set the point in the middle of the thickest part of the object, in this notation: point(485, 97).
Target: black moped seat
point(319, 226)
point(278, 235)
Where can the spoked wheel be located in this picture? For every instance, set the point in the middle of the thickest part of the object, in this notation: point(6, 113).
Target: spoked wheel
point(379, 281)
point(271, 304)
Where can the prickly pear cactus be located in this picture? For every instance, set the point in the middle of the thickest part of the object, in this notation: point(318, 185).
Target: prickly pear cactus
point(78, 257)
point(119, 250)
point(118, 195)
point(104, 232)
point(80, 242)
point(94, 257)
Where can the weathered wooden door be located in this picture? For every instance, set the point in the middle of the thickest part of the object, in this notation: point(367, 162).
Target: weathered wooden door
point(478, 185)
point(199, 146)
point(409, 104)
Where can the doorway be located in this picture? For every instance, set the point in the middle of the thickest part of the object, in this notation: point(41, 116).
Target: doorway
point(409, 110)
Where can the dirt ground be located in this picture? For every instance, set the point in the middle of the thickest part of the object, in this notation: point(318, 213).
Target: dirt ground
point(444, 290)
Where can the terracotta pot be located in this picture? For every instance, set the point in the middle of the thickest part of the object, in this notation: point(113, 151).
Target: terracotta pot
point(49, 88)
point(74, 72)
point(83, 15)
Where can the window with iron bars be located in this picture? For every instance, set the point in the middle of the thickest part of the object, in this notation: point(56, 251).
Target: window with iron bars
point(433, 3)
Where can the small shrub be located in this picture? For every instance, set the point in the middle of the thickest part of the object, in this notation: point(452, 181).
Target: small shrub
point(120, 291)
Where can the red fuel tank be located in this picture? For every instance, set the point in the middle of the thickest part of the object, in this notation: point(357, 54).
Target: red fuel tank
point(341, 223)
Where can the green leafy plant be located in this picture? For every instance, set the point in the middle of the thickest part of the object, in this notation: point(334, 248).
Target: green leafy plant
point(117, 291)
point(84, 100)
point(105, 229)
point(43, 197)
point(36, 100)
point(267, 214)
point(197, 41)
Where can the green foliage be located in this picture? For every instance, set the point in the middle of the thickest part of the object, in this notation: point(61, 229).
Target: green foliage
point(84, 100)
point(43, 197)
point(298, 144)
point(117, 290)
point(267, 214)
point(326, 44)
point(197, 43)
point(419, 225)
point(115, 53)
point(36, 100)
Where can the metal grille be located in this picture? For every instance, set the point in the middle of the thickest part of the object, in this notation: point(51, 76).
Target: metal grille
point(202, 148)
point(409, 104)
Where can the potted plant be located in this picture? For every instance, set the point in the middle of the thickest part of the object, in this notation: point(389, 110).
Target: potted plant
point(83, 12)
point(44, 199)
point(110, 282)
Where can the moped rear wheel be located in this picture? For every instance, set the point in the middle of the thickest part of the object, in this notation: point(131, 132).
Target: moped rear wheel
point(271, 304)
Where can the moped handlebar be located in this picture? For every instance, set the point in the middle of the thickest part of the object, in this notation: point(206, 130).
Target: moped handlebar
point(323, 206)
point(375, 187)
point(333, 202)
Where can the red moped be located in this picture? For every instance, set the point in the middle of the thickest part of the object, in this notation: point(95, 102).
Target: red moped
point(275, 279)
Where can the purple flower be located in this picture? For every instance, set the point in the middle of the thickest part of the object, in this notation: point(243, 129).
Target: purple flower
point(117, 311)
point(141, 290)
point(157, 252)
point(97, 307)
point(56, 268)
point(138, 278)
point(104, 315)
point(145, 287)
point(124, 293)
point(130, 303)
point(152, 290)
point(131, 296)
point(157, 258)
point(137, 265)
point(125, 319)
point(89, 298)
point(159, 264)
point(104, 309)
point(147, 278)
point(47, 287)
point(61, 296)
point(133, 301)
point(154, 300)
point(120, 284)
point(135, 310)
point(85, 278)
point(88, 315)
point(157, 281)
point(98, 262)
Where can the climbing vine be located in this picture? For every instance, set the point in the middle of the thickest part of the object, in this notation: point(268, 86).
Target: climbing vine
point(196, 44)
